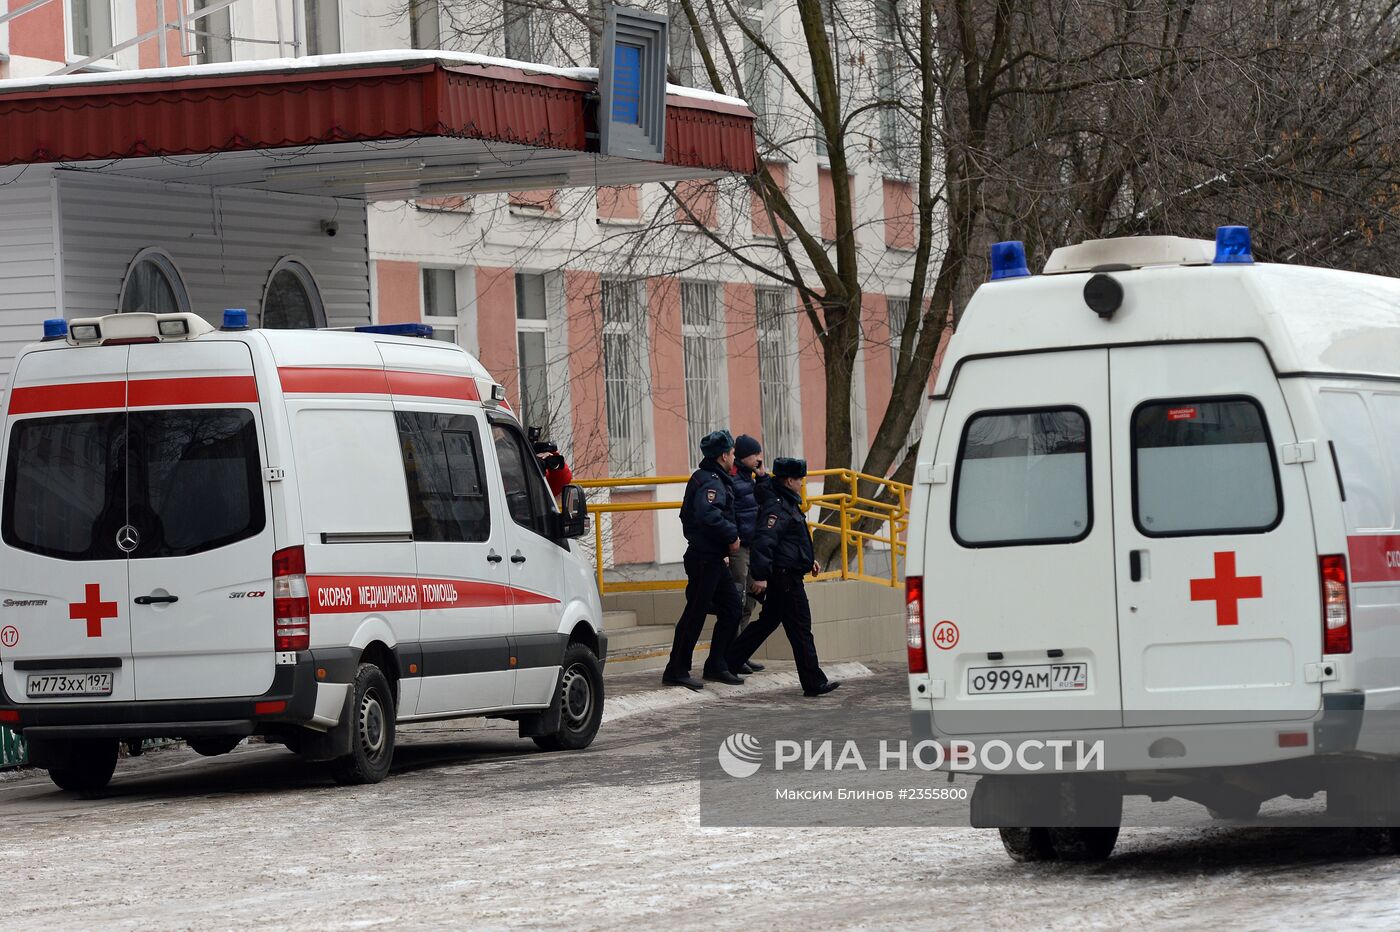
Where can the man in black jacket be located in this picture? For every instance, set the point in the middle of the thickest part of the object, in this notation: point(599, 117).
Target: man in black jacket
point(707, 517)
point(750, 492)
point(781, 556)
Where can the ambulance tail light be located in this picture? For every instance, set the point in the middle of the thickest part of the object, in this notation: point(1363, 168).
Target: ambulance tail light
point(1336, 607)
point(291, 608)
point(914, 623)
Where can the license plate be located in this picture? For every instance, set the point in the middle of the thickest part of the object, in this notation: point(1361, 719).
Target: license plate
point(69, 684)
point(1036, 678)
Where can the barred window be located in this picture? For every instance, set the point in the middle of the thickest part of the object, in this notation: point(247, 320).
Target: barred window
point(531, 326)
point(625, 382)
point(777, 375)
point(706, 394)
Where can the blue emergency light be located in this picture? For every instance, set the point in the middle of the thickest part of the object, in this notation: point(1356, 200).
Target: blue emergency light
point(55, 328)
point(1233, 246)
point(398, 330)
point(1009, 260)
point(235, 318)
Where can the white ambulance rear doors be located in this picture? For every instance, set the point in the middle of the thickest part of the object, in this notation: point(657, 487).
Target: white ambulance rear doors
point(1217, 569)
point(1018, 582)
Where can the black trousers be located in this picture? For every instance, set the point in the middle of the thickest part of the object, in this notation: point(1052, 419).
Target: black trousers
point(709, 588)
point(786, 605)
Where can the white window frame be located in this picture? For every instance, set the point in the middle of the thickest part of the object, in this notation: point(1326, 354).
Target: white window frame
point(453, 320)
point(523, 13)
point(703, 345)
point(634, 408)
point(68, 45)
point(542, 327)
point(416, 9)
point(339, 27)
point(199, 31)
point(161, 259)
point(778, 386)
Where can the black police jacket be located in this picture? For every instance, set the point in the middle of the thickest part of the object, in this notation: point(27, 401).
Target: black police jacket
point(782, 544)
point(707, 510)
point(750, 492)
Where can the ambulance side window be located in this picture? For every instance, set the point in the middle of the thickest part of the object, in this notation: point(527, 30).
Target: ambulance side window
point(1204, 466)
point(442, 465)
point(527, 497)
point(1023, 478)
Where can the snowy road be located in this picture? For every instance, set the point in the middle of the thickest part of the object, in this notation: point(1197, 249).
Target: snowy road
point(477, 829)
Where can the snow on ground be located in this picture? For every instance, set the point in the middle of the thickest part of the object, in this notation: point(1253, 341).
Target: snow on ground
point(475, 829)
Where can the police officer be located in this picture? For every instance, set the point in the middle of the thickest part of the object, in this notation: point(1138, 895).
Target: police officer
point(781, 556)
point(707, 517)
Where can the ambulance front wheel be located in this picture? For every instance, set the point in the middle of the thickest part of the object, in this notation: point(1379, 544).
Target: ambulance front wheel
point(82, 766)
point(371, 730)
point(580, 701)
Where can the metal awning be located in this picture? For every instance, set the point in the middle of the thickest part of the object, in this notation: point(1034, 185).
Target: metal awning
point(379, 126)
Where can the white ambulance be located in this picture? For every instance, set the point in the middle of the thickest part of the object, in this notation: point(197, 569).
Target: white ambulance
point(1157, 505)
point(307, 535)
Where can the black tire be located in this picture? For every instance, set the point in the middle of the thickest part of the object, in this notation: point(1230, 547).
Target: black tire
point(1026, 845)
point(88, 767)
point(580, 701)
point(214, 746)
point(371, 730)
point(1083, 844)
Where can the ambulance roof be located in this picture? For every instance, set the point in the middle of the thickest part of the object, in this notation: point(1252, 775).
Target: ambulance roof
point(349, 349)
point(1309, 320)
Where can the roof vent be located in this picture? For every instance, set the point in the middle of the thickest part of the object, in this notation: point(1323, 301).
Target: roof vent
point(1130, 252)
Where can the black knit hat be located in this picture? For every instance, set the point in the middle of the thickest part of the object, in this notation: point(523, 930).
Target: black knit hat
point(787, 467)
point(744, 445)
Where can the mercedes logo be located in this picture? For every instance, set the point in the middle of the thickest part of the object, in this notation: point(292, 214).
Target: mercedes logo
point(128, 539)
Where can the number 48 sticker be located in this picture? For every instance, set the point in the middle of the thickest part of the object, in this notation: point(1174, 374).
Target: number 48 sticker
point(945, 635)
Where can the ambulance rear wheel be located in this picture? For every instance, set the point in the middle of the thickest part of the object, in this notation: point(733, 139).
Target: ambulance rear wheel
point(371, 730)
point(87, 766)
point(1027, 844)
point(580, 702)
point(1083, 844)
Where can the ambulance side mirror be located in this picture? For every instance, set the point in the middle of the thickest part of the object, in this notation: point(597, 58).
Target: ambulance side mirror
point(573, 512)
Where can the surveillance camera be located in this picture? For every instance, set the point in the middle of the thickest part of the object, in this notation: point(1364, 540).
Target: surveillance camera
point(330, 227)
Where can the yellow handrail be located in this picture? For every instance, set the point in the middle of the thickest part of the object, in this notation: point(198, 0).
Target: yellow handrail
point(851, 508)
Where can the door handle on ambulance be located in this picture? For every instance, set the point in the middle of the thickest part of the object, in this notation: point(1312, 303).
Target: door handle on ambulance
point(1135, 565)
point(156, 599)
point(517, 557)
point(494, 557)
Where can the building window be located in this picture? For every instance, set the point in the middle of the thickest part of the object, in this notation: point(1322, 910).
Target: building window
point(625, 382)
point(898, 314)
point(322, 19)
point(519, 31)
point(213, 34)
point(440, 303)
point(702, 329)
point(682, 51)
point(292, 300)
point(777, 376)
point(886, 81)
point(531, 325)
point(755, 63)
point(153, 284)
point(425, 24)
point(90, 27)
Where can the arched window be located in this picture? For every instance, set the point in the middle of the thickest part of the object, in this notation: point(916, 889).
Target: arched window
point(153, 284)
point(292, 300)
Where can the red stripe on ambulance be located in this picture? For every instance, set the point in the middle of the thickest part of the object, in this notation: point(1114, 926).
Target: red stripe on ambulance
point(1374, 557)
point(137, 393)
point(329, 381)
point(333, 595)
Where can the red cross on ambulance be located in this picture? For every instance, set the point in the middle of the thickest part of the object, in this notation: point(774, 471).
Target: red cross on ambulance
point(92, 610)
point(1227, 589)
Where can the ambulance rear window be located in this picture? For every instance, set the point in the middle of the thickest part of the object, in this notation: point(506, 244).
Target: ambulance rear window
point(1023, 478)
point(63, 486)
point(1204, 466)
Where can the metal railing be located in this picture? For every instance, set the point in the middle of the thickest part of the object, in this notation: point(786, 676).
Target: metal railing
point(862, 523)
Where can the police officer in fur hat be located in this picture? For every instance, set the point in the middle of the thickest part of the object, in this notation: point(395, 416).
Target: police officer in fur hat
point(712, 533)
point(780, 557)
